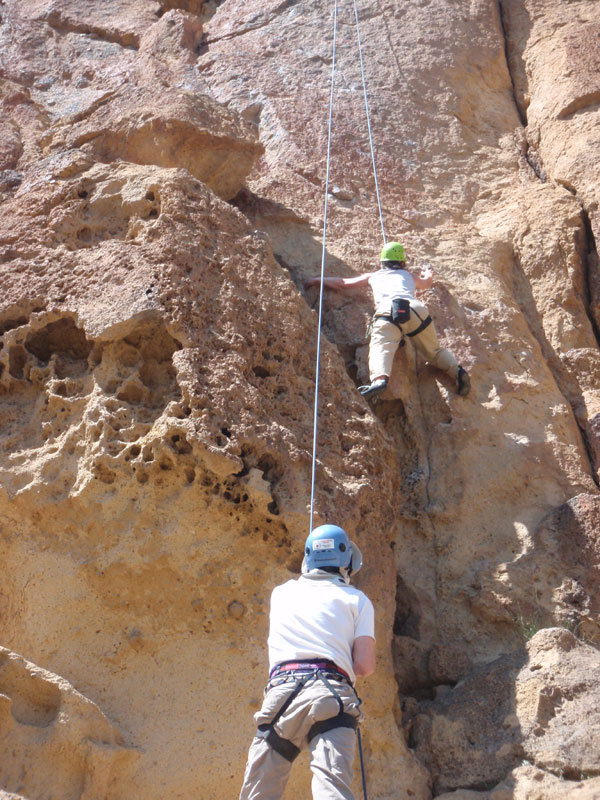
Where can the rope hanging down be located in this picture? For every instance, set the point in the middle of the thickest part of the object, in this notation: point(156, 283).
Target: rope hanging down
point(323, 252)
point(364, 83)
point(324, 249)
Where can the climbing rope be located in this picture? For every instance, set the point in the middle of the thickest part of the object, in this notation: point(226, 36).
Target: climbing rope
point(323, 252)
point(364, 83)
point(326, 203)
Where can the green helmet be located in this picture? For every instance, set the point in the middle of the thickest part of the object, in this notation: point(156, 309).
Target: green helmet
point(393, 251)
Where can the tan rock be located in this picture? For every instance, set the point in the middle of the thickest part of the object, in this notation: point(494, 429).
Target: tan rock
point(193, 6)
point(157, 365)
point(120, 387)
point(54, 740)
point(173, 129)
point(168, 52)
point(532, 705)
point(531, 783)
point(121, 21)
point(555, 582)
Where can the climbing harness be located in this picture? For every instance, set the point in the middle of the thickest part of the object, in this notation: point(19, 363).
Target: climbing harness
point(325, 212)
point(400, 315)
point(302, 673)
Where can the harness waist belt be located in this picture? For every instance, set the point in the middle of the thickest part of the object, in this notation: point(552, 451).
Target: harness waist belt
point(299, 666)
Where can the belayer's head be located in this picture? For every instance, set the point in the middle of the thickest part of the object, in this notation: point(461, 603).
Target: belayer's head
point(328, 547)
point(393, 256)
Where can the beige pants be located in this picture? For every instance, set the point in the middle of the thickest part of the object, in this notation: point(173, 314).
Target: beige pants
point(386, 337)
point(331, 753)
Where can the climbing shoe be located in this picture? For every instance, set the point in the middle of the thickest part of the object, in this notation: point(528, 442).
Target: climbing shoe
point(463, 382)
point(374, 388)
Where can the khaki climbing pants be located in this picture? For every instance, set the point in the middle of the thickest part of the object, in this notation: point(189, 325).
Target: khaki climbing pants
point(386, 337)
point(331, 753)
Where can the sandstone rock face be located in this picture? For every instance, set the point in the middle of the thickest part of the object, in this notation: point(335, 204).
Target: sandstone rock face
point(567, 539)
point(538, 705)
point(529, 783)
point(162, 179)
point(54, 741)
point(178, 130)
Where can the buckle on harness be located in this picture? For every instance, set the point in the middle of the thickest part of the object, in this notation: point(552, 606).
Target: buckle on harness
point(309, 666)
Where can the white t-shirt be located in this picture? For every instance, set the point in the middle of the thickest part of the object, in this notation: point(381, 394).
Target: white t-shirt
point(389, 283)
point(318, 618)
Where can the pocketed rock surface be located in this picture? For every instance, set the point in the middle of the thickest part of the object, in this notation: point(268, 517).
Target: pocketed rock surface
point(162, 180)
point(539, 705)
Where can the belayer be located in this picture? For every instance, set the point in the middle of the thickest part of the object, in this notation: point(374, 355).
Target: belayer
point(321, 636)
point(398, 313)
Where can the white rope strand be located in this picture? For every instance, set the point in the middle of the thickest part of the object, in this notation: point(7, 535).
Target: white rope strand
point(364, 82)
point(323, 253)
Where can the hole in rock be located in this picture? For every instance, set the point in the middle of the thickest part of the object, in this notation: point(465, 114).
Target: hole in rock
point(181, 445)
point(63, 337)
point(84, 235)
point(35, 701)
point(407, 618)
point(17, 358)
point(104, 474)
point(131, 393)
point(147, 454)
point(269, 467)
point(10, 324)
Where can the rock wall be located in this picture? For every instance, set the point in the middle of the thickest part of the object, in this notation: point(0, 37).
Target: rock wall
point(162, 179)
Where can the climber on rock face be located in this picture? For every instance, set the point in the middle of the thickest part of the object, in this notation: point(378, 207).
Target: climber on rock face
point(398, 313)
point(321, 636)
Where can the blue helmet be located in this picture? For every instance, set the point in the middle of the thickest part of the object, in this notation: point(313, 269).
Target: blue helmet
point(329, 546)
